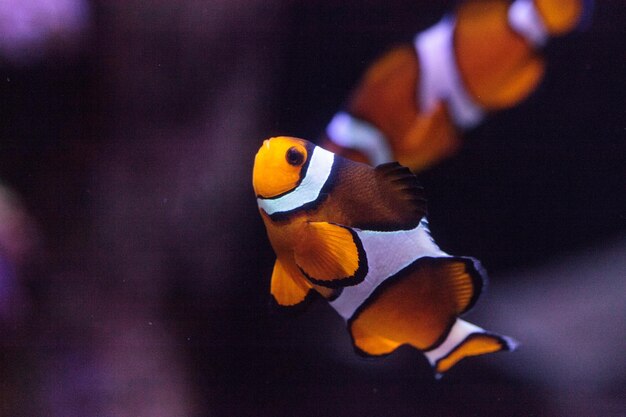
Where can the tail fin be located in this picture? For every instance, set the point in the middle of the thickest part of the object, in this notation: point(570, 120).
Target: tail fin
point(465, 339)
point(562, 16)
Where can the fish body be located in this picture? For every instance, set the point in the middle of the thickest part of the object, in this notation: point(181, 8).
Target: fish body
point(358, 235)
point(413, 103)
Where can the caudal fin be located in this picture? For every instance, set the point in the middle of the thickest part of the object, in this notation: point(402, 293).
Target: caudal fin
point(562, 16)
point(464, 340)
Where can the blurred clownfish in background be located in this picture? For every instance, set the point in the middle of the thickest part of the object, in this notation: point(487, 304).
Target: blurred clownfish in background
point(358, 236)
point(414, 101)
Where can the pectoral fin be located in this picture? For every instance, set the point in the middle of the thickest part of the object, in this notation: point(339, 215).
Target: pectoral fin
point(331, 255)
point(288, 287)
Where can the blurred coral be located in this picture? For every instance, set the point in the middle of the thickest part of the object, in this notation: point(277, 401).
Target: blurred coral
point(18, 239)
point(30, 28)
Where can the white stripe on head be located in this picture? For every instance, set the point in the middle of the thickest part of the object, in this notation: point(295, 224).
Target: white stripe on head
point(350, 132)
point(524, 18)
point(439, 76)
point(309, 189)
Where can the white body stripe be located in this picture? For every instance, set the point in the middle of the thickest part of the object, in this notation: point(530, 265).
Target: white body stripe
point(439, 76)
point(524, 18)
point(407, 246)
point(350, 132)
point(460, 330)
point(308, 190)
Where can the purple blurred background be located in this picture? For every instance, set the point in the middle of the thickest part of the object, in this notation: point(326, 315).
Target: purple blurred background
point(141, 283)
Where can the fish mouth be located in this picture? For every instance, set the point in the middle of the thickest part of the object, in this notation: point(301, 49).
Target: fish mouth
point(257, 175)
point(264, 149)
point(265, 146)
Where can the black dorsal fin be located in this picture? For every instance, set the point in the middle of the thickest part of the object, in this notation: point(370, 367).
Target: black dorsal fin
point(388, 197)
point(399, 185)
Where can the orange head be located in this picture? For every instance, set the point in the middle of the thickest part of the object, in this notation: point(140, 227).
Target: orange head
point(278, 165)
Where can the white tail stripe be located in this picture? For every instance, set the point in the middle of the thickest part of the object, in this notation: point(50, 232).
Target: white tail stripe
point(308, 190)
point(350, 132)
point(526, 20)
point(439, 76)
point(459, 332)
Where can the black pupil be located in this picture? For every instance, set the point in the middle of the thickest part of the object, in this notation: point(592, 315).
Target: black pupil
point(294, 156)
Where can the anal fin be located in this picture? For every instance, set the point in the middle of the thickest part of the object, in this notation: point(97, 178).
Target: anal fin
point(372, 345)
point(417, 306)
point(463, 278)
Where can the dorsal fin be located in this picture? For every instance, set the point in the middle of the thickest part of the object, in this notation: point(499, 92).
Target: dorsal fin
point(402, 185)
point(385, 198)
point(401, 178)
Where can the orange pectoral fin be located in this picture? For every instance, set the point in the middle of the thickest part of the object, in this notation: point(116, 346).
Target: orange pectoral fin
point(331, 255)
point(288, 288)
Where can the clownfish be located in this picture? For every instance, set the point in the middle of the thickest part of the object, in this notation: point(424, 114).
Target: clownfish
point(413, 102)
point(359, 237)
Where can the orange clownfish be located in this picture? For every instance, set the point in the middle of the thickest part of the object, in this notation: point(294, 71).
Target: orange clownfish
point(413, 102)
point(358, 236)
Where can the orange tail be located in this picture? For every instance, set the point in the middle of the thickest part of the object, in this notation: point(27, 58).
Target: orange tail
point(465, 340)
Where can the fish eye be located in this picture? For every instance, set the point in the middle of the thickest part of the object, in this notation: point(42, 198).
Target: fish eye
point(294, 156)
